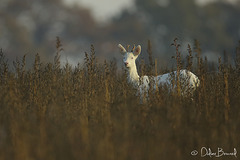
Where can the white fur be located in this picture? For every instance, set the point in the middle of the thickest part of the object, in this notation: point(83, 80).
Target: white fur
point(188, 81)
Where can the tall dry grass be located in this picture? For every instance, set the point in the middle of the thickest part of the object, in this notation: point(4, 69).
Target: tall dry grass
point(91, 112)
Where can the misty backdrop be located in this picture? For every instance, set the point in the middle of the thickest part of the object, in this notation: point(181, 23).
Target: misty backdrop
point(30, 27)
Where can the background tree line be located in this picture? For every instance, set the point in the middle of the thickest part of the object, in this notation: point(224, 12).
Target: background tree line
point(30, 27)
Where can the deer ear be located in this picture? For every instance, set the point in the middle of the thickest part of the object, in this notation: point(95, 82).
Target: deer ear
point(137, 51)
point(122, 49)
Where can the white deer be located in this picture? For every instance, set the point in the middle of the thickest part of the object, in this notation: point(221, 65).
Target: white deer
point(187, 78)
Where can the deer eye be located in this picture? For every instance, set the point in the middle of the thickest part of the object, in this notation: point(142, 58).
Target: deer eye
point(131, 57)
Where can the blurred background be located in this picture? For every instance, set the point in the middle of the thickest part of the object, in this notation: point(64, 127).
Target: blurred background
point(31, 27)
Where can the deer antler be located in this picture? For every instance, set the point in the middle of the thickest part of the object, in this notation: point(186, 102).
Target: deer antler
point(133, 48)
point(127, 47)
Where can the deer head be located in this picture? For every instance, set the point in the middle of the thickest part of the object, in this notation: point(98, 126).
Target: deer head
point(129, 58)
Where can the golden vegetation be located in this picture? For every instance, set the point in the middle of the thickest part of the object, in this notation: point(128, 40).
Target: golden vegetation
point(91, 112)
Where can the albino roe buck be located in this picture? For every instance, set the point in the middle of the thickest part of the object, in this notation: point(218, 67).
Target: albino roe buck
point(188, 81)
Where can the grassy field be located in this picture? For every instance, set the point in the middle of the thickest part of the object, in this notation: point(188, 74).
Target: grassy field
point(87, 112)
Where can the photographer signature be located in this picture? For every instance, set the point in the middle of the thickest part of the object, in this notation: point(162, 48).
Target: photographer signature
point(219, 153)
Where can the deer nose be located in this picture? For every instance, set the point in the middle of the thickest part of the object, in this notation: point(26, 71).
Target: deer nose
point(126, 63)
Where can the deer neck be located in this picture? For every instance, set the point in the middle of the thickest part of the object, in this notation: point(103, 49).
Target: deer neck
point(133, 76)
